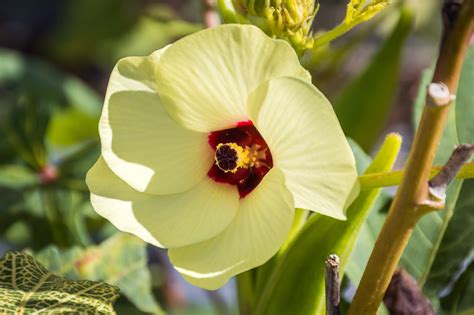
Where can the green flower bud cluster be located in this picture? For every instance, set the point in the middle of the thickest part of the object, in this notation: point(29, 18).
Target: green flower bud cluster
point(286, 19)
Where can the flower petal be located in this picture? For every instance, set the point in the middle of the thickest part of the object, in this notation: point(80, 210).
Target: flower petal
point(166, 221)
point(259, 229)
point(140, 141)
point(204, 79)
point(306, 142)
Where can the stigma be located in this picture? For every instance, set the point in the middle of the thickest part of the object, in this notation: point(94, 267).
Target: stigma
point(230, 157)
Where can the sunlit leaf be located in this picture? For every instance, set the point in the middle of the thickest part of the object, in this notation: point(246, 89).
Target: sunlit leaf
point(121, 261)
point(28, 287)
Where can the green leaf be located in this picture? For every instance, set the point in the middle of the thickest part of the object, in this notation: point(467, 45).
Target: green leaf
point(369, 229)
point(364, 105)
point(26, 287)
point(457, 244)
point(16, 176)
point(71, 126)
point(121, 261)
point(81, 97)
point(459, 301)
point(428, 233)
point(320, 237)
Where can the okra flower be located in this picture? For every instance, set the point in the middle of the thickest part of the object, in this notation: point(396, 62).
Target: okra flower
point(209, 144)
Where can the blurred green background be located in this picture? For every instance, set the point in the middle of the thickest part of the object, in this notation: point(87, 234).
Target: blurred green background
point(55, 59)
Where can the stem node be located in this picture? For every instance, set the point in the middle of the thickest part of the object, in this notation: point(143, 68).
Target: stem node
point(439, 95)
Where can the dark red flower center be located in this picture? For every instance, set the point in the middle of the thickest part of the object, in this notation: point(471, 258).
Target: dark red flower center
point(242, 157)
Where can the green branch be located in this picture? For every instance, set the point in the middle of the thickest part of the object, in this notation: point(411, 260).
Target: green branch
point(394, 178)
point(356, 14)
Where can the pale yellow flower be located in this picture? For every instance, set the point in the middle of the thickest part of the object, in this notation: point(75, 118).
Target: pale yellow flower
point(208, 146)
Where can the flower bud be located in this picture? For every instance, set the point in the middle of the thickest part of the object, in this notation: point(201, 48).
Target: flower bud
point(286, 19)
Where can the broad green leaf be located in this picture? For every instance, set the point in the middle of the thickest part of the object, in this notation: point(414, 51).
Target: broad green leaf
point(28, 287)
point(428, 233)
point(459, 301)
point(456, 246)
point(364, 105)
point(320, 237)
point(121, 261)
point(16, 176)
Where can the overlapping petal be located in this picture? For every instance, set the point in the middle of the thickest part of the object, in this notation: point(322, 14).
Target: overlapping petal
point(140, 141)
point(204, 79)
point(166, 221)
point(259, 229)
point(307, 143)
point(151, 179)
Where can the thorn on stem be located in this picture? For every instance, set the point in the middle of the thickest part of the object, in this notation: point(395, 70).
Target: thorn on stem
point(333, 295)
point(439, 183)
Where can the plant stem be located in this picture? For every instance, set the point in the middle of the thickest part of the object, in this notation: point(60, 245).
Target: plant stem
point(332, 34)
point(386, 179)
point(408, 205)
point(245, 293)
point(332, 286)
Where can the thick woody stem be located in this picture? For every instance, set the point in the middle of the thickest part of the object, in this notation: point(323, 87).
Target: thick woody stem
point(410, 201)
point(333, 295)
